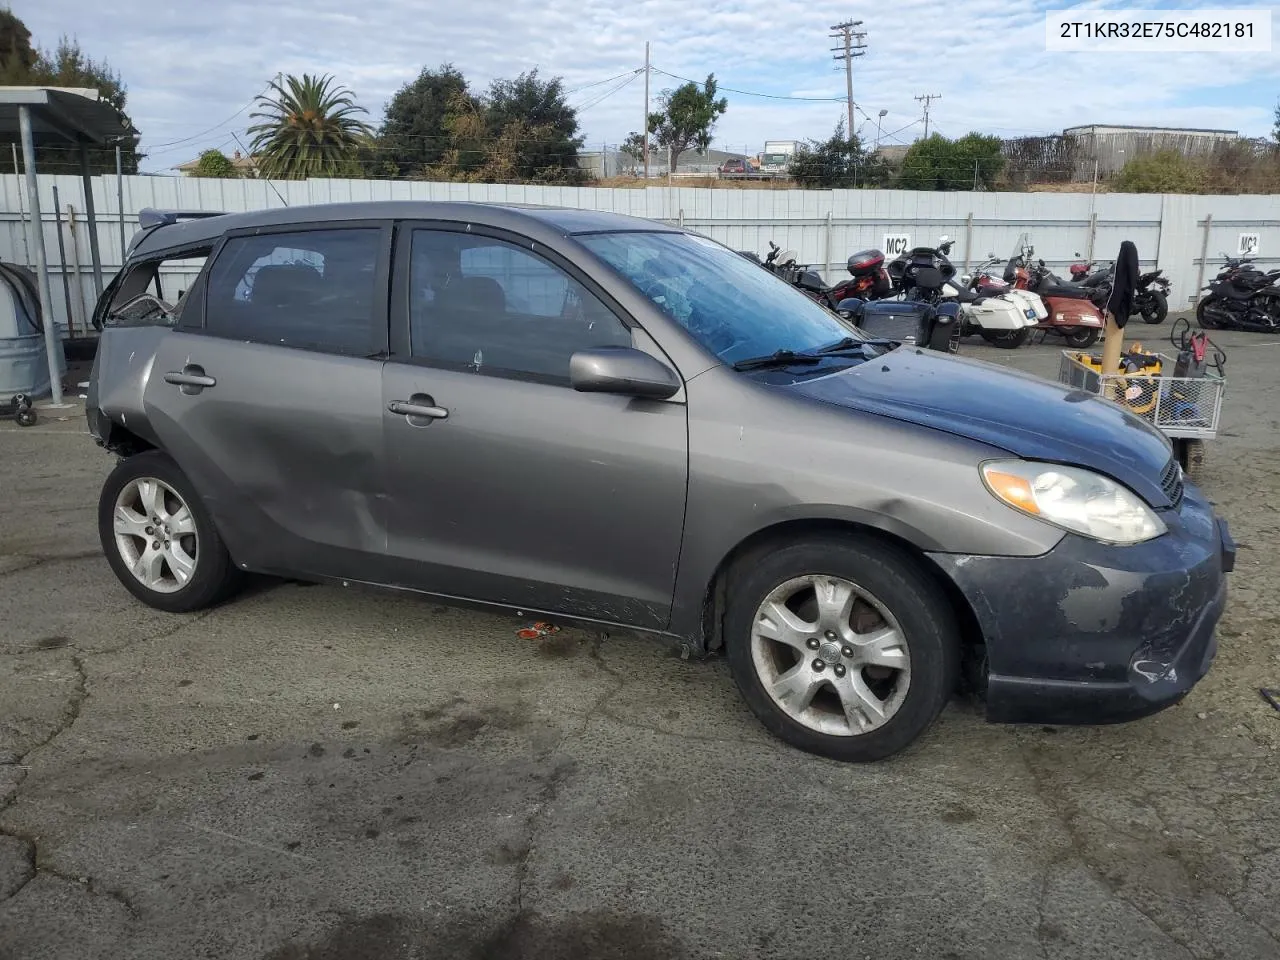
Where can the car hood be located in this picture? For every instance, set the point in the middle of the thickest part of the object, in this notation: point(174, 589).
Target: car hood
point(1025, 415)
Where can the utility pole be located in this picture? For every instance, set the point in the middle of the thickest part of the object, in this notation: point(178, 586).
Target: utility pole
point(644, 127)
point(853, 44)
point(927, 98)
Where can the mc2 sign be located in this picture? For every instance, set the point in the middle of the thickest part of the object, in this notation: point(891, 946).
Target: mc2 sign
point(896, 244)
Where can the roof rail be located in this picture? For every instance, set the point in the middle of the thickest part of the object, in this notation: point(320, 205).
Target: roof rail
point(149, 218)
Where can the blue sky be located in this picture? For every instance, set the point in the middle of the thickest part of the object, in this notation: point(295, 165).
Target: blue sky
point(190, 68)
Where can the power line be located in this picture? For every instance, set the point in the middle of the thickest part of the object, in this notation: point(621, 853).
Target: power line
point(588, 86)
point(749, 93)
point(608, 93)
point(197, 136)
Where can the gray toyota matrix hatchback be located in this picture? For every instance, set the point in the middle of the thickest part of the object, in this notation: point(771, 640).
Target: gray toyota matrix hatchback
point(614, 421)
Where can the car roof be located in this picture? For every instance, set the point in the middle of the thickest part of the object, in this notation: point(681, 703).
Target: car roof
point(532, 220)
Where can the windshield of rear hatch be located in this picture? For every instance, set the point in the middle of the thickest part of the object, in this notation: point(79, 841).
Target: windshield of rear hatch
point(732, 306)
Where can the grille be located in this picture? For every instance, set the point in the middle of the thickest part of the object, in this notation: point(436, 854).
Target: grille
point(1171, 482)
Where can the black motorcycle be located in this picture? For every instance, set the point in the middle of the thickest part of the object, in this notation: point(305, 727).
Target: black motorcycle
point(1241, 297)
point(1150, 295)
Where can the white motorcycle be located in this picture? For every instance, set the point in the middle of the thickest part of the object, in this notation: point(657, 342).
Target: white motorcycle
point(1001, 315)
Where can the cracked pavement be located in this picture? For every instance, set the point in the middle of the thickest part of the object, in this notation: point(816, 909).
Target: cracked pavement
point(311, 773)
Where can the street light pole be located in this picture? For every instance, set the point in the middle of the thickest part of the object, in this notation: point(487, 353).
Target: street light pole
point(879, 120)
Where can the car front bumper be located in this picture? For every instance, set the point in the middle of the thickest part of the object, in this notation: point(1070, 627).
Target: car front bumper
point(1091, 633)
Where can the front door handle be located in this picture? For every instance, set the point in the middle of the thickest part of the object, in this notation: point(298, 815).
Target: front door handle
point(191, 378)
point(426, 411)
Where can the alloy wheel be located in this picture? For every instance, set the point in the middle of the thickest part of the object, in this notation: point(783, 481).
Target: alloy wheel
point(830, 655)
point(155, 533)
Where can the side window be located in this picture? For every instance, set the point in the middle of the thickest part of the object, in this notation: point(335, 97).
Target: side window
point(482, 304)
point(152, 292)
point(315, 290)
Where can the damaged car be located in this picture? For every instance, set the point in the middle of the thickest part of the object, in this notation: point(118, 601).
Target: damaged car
point(612, 421)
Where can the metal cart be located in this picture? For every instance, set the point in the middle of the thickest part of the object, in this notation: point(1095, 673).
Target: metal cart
point(1185, 409)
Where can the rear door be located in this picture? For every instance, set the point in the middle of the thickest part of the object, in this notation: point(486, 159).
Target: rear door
point(507, 485)
point(268, 395)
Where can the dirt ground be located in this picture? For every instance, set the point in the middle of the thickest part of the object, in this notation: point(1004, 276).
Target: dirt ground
point(310, 773)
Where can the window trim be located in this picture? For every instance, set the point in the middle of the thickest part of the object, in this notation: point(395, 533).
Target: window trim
point(380, 318)
point(401, 326)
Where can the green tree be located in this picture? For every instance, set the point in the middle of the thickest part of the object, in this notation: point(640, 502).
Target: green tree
point(1164, 171)
point(216, 165)
point(633, 147)
point(308, 127)
point(839, 162)
point(67, 65)
point(17, 56)
point(415, 133)
point(536, 110)
point(937, 163)
point(1275, 131)
point(688, 115)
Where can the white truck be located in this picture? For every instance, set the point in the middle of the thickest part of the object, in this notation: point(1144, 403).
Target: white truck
point(777, 155)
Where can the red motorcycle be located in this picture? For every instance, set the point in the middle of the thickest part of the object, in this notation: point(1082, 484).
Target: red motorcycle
point(1072, 315)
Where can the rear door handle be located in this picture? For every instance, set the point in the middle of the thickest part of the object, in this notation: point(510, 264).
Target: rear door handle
point(191, 379)
point(424, 410)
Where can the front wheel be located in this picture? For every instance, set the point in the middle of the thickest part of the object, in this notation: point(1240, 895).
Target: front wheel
point(1155, 307)
point(1205, 315)
point(1190, 454)
point(1080, 337)
point(1006, 339)
point(841, 648)
point(159, 539)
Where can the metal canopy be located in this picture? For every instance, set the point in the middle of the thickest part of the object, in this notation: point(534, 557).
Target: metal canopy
point(59, 115)
point(62, 115)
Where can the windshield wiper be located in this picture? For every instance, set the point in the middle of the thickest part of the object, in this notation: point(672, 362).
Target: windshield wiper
point(782, 358)
point(853, 343)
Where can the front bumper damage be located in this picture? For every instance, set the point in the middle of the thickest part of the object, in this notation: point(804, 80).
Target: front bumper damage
point(1091, 633)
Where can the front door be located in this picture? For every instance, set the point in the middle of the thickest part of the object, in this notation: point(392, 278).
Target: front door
point(505, 484)
point(272, 403)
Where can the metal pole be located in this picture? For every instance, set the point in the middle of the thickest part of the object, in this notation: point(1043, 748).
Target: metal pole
point(975, 175)
point(1204, 255)
point(53, 349)
point(1093, 235)
point(62, 257)
point(968, 241)
point(89, 212)
point(848, 78)
point(644, 129)
point(75, 264)
point(826, 263)
point(17, 175)
point(120, 200)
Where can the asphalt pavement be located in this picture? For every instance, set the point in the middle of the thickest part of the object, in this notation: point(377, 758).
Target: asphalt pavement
point(317, 773)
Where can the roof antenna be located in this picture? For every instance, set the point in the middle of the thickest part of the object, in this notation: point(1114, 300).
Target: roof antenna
point(248, 154)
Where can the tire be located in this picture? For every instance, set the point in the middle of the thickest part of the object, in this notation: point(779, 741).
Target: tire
point(1006, 339)
point(1204, 319)
point(1081, 337)
point(1159, 308)
point(1190, 454)
point(919, 635)
point(192, 570)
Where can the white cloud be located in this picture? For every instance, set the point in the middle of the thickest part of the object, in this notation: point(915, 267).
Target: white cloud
point(188, 67)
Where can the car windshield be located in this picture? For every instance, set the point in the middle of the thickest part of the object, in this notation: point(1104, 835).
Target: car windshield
point(732, 306)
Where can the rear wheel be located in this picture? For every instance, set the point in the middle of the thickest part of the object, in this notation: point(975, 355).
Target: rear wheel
point(841, 648)
point(1080, 337)
point(1006, 339)
point(1155, 307)
point(159, 539)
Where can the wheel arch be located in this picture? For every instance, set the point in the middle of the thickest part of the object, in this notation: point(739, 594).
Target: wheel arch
point(789, 531)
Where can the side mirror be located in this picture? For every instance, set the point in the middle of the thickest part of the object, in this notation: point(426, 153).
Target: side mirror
point(850, 308)
point(624, 371)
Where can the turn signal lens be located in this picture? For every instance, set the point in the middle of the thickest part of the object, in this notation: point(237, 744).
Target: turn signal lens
point(1013, 490)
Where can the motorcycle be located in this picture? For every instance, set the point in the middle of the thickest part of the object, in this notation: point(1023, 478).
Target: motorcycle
point(1241, 297)
point(1150, 296)
point(1071, 312)
point(926, 316)
point(1003, 331)
point(1002, 317)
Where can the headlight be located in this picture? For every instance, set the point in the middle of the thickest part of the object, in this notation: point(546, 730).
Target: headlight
point(1078, 500)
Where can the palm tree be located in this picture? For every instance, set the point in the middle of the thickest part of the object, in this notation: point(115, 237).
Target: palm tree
point(308, 128)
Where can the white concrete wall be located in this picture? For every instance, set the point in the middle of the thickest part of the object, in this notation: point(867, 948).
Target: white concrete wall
point(821, 225)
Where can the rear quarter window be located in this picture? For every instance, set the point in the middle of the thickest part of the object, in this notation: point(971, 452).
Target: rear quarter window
point(152, 292)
